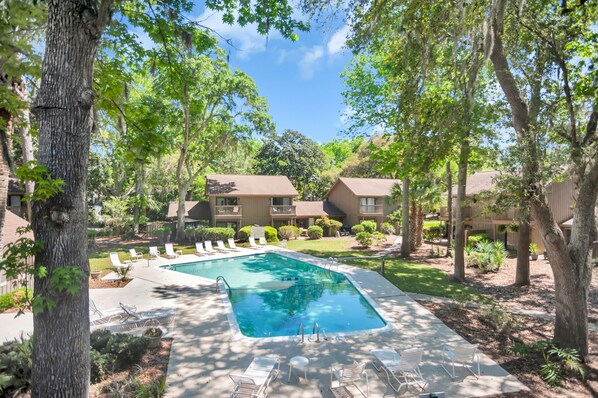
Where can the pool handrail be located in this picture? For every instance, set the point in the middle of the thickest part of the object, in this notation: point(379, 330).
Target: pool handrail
point(228, 288)
point(316, 330)
point(302, 331)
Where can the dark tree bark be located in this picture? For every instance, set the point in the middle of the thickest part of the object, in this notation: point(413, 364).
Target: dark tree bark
point(63, 109)
point(449, 207)
point(522, 272)
point(459, 269)
point(413, 226)
point(571, 264)
point(405, 246)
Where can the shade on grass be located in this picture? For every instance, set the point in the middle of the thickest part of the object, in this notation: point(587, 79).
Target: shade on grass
point(417, 278)
point(327, 248)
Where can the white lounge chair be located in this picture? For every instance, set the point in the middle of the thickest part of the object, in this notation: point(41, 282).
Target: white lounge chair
point(199, 250)
point(209, 248)
point(350, 374)
point(252, 244)
point(143, 316)
point(402, 368)
point(263, 241)
point(232, 245)
point(256, 379)
point(462, 355)
point(154, 252)
point(221, 248)
point(169, 251)
point(116, 261)
point(135, 255)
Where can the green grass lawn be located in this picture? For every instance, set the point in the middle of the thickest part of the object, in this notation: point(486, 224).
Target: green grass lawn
point(100, 260)
point(407, 276)
point(327, 248)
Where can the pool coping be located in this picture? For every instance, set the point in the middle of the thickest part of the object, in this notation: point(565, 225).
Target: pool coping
point(311, 260)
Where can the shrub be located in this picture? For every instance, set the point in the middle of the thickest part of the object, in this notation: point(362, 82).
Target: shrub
point(498, 319)
point(162, 234)
point(355, 229)
point(369, 226)
point(215, 233)
point(15, 367)
point(477, 238)
point(488, 256)
point(315, 232)
point(533, 249)
point(288, 232)
point(387, 228)
point(128, 235)
point(365, 239)
point(101, 365)
point(15, 299)
point(270, 232)
point(329, 227)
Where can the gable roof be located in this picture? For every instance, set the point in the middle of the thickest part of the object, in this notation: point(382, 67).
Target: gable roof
point(249, 185)
point(194, 210)
point(316, 209)
point(367, 186)
point(482, 181)
point(11, 223)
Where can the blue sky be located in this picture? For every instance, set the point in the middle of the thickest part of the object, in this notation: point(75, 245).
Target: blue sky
point(300, 80)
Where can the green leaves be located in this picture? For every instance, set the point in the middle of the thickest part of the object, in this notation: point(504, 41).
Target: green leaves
point(45, 186)
point(67, 279)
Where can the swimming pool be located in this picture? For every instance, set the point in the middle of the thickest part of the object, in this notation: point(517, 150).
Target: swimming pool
point(271, 295)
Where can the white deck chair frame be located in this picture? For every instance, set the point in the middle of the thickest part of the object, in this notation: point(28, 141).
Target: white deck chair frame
point(351, 374)
point(154, 252)
point(252, 244)
point(116, 261)
point(209, 248)
point(199, 250)
point(233, 245)
point(256, 379)
point(135, 255)
point(221, 248)
point(402, 368)
point(462, 355)
point(169, 251)
point(263, 241)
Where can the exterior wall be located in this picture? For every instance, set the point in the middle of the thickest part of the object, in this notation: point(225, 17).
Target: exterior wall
point(560, 200)
point(256, 210)
point(347, 202)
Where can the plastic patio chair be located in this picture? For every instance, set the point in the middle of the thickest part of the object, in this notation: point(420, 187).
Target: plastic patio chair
point(462, 355)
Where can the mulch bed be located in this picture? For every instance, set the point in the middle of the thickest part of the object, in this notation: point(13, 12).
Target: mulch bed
point(152, 368)
point(466, 322)
point(539, 296)
point(104, 284)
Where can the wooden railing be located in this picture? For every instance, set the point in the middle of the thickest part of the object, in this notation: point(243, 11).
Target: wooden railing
point(285, 210)
point(371, 209)
point(227, 211)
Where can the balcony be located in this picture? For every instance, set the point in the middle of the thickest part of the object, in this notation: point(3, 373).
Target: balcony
point(371, 210)
point(228, 211)
point(282, 211)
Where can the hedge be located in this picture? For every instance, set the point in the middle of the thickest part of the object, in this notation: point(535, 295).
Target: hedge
point(355, 229)
point(288, 232)
point(315, 232)
point(369, 226)
point(329, 227)
point(215, 233)
point(270, 232)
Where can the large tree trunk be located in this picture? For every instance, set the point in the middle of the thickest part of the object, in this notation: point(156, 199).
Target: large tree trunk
point(419, 229)
point(571, 264)
point(522, 273)
point(459, 269)
point(405, 246)
point(413, 226)
point(449, 207)
point(64, 111)
point(139, 184)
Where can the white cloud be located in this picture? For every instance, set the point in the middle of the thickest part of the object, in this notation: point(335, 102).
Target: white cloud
point(337, 42)
point(245, 39)
point(309, 62)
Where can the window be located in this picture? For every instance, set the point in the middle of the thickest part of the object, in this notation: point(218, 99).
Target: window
point(226, 202)
point(282, 201)
point(368, 205)
point(232, 225)
point(15, 201)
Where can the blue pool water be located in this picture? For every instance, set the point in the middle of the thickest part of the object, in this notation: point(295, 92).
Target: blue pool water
point(272, 294)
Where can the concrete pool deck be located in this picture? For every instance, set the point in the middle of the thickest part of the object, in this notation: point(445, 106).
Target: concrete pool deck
point(205, 352)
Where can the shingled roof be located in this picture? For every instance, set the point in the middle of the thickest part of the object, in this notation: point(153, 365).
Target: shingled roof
point(316, 209)
point(482, 181)
point(195, 210)
point(11, 223)
point(249, 185)
point(367, 186)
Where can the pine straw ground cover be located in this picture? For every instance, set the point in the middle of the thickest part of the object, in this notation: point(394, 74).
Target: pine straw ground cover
point(140, 379)
point(469, 323)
